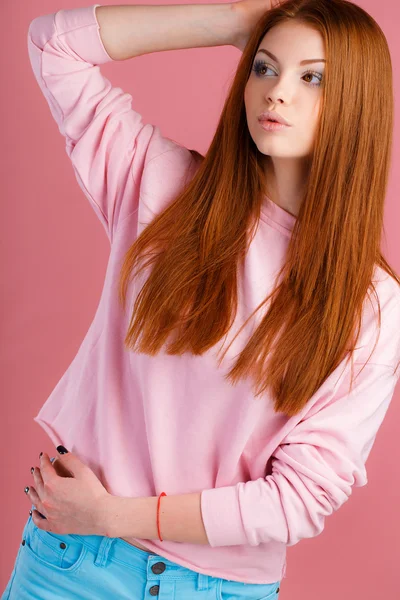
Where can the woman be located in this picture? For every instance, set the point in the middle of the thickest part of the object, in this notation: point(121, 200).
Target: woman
point(251, 453)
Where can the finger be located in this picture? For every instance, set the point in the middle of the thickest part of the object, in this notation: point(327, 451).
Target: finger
point(40, 522)
point(33, 507)
point(46, 468)
point(60, 468)
point(38, 481)
point(73, 465)
point(34, 498)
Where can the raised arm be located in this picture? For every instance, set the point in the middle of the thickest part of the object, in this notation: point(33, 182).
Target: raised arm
point(109, 145)
point(133, 30)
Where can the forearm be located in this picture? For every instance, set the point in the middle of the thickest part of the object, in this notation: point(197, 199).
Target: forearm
point(180, 518)
point(133, 30)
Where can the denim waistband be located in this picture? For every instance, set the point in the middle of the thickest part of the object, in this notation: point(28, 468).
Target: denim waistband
point(107, 549)
point(118, 550)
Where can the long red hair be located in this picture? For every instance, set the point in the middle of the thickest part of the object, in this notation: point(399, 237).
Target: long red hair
point(195, 245)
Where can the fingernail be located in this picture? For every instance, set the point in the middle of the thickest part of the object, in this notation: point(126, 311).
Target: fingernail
point(32, 469)
point(40, 454)
point(62, 450)
point(26, 490)
point(30, 512)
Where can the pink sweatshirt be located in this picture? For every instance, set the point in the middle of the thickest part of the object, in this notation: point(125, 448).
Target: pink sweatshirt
point(173, 423)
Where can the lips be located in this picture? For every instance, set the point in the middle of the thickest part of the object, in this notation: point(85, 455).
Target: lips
point(273, 117)
point(271, 126)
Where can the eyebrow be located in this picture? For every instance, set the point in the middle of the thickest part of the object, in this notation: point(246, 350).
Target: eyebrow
point(303, 62)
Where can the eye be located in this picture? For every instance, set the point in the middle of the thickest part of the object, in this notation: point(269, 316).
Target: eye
point(259, 65)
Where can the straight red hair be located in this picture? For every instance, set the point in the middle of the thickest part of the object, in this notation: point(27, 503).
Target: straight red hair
point(196, 244)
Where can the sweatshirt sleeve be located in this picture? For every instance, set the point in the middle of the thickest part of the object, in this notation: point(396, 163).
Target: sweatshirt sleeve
point(106, 140)
point(322, 456)
point(313, 470)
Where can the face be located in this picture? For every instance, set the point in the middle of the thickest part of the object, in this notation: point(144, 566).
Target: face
point(285, 86)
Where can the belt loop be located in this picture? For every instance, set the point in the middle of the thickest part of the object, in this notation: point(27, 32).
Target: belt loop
point(202, 581)
point(103, 551)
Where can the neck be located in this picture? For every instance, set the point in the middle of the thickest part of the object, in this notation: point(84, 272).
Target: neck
point(286, 180)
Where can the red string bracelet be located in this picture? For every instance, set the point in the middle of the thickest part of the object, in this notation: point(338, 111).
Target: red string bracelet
point(158, 515)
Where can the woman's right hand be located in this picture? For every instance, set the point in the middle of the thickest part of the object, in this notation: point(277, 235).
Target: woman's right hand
point(249, 13)
point(60, 469)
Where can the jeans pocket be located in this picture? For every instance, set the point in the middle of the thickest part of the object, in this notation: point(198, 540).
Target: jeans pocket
point(62, 553)
point(236, 590)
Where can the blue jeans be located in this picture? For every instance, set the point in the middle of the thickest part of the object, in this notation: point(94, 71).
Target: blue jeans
point(51, 566)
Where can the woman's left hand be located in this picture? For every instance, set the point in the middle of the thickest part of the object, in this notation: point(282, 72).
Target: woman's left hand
point(73, 503)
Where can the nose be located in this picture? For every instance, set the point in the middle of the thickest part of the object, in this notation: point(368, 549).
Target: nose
point(278, 92)
point(274, 97)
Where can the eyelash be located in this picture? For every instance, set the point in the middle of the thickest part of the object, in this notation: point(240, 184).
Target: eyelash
point(261, 63)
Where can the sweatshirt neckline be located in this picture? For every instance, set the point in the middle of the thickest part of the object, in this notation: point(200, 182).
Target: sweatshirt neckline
point(275, 215)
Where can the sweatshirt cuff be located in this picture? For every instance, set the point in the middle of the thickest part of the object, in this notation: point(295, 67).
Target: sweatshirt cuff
point(222, 517)
point(83, 31)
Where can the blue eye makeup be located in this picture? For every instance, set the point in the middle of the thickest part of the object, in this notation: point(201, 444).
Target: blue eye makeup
point(260, 64)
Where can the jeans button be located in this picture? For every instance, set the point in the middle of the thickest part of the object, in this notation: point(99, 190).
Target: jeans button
point(158, 568)
point(154, 590)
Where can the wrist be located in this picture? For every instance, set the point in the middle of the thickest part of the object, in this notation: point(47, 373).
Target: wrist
point(130, 517)
point(240, 27)
point(113, 515)
point(248, 13)
point(107, 508)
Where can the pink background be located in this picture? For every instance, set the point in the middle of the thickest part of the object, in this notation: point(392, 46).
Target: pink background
point(54, 255)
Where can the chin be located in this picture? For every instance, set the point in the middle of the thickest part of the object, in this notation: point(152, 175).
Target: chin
point(265, 146)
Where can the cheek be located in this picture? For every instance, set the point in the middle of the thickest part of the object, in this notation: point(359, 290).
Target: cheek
point(310, 118)
point(313, 122)
point(317, 110)
point(251, 94)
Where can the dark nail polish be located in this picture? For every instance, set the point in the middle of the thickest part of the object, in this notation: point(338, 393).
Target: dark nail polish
point(62, 450)
point(30, 512)
point(26, 490)
point(40, 454)
point(32, 469)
